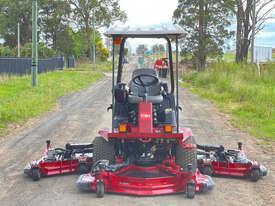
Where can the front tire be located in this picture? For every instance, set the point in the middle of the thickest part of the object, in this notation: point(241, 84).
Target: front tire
point(100, 190)
point(36, 174)
point(255, 175)
point(190, 190)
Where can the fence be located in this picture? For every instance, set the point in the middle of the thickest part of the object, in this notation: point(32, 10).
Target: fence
point(70, 62)
point(22, 66)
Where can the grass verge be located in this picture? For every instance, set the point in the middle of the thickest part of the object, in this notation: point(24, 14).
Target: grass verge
point(19, 101)
point(239, 90)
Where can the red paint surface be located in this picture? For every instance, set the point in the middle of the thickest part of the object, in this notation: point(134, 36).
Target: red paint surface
point(175, 182)
point(145, 117)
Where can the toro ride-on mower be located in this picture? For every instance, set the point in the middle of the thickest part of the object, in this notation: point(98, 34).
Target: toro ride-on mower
point(146, 152)
point(233, 163)
point(54, 161)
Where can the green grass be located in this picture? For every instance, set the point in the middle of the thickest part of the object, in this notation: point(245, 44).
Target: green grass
point(240, 91)
point(19, 101)
point(99, 66)
point(229, 57)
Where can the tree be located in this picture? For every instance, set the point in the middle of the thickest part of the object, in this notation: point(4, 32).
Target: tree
point(12, 12)
point(57, 34)
point(155, 48)
point(78, 45)
point(54, 24)
point(53, 18)
point(141, 49)
point(43, 51)
point(243, 10)
point(158, 48)
point(206, 24)
point(161, 48)
point(99, 13)
point(6, 51)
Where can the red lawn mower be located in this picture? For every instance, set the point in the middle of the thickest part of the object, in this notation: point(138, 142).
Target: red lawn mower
point(146, 152)
point(54, 161)
point(234, 163)
point(161, 65)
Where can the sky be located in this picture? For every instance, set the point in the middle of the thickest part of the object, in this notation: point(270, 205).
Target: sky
point(151, 12)
point(148, 12)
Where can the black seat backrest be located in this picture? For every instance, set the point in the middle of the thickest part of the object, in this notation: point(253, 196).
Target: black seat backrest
point(138, 90)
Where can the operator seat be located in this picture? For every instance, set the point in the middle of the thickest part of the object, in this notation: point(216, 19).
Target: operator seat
point(148, 92)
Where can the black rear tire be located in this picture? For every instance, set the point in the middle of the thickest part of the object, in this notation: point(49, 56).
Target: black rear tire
point(185, 157)
point(36, 174)
point(255, 175)
point(190, 190)
point(103, 150)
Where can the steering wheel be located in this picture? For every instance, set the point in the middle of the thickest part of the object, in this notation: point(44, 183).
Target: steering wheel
point(59, 150)
point(151, 80)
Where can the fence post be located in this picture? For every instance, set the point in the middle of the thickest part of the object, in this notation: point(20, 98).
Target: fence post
point(62, 59)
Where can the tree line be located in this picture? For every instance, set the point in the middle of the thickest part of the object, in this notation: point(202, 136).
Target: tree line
point(208, 22)
point(64, 26)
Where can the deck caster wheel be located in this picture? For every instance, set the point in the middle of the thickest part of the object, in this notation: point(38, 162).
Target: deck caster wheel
point(190, 190)
point(255, 175)
point(35, 174)
point(100, 189)
point(207, 170)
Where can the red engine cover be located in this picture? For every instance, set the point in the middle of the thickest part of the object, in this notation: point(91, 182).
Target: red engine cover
point(145, 119)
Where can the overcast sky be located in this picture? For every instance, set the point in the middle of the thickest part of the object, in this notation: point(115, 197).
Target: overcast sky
point(150, 12)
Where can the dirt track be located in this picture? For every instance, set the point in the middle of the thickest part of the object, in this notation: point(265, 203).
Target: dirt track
point(77, 119)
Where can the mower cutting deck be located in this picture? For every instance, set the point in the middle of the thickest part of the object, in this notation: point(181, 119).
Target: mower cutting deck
point(145, 180)
point(55, 161)
point(217, 161)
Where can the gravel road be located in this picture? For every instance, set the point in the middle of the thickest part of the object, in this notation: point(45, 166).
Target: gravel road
point(78, 118)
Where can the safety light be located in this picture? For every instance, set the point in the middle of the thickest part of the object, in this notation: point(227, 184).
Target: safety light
point(122, 128)
point(168, 128)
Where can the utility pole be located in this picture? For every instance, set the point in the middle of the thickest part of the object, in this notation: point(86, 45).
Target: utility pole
point(34, 65)
point(253, 31)
point(18, 39)
point(94, 56)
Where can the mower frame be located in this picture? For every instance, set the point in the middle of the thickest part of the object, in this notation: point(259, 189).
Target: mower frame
point(116, 177)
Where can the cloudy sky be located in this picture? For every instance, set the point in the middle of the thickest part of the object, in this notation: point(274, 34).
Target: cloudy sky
point(146, 12)
point(150, 12)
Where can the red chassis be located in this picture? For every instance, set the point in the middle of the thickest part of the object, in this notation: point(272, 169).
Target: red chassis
point(55, 161)
point(164, 178)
